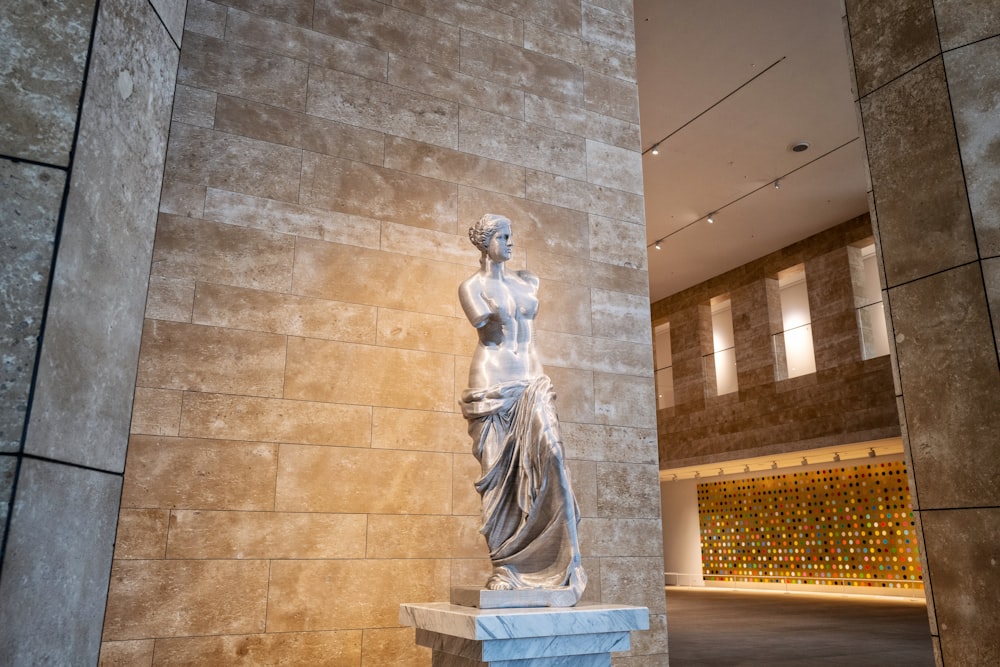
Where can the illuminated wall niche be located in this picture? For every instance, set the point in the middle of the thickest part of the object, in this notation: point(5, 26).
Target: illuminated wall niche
point(848, 526)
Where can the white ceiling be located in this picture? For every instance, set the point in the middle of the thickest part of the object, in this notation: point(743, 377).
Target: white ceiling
point(732, 85)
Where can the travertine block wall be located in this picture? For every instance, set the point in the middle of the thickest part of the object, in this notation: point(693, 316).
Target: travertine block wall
point(927, 76)
point(85, 92)
point(847, 400)
point(298, 465)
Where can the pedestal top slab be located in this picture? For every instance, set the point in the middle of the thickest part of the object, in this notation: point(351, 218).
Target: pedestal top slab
point(472, 623)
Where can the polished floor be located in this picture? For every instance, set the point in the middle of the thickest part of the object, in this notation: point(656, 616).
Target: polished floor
point(711, 627)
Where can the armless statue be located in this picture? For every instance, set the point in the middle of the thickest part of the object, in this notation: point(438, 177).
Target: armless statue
point(529, 513)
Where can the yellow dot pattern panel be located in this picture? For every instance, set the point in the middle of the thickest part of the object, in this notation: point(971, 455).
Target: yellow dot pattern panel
point(849, 526)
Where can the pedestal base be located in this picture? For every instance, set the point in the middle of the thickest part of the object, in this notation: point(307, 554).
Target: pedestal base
point(581, 636)
point(473, 596)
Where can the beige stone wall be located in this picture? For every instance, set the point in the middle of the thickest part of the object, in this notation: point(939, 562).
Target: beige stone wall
point(298, 465)
point(848, 399)
point(927, 76)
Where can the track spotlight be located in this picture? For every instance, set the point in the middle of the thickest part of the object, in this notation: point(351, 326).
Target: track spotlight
point(777, 184)
point(697, 474)
point(656, 149)
point(871, 453)
point(746, 468)
point(805, 461)
point(711, 217)
point(721, 471)
point(774, 465)
point(658, 245)
point(836, 458)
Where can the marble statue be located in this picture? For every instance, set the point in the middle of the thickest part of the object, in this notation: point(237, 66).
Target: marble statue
point(529, 513)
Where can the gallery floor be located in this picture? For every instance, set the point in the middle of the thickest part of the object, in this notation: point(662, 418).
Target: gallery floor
point(712, 627)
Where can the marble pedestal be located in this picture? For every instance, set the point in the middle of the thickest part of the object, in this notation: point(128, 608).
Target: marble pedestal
point(581, 636)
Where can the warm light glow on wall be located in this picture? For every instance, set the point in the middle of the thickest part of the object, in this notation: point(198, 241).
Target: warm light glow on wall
point(848, 526)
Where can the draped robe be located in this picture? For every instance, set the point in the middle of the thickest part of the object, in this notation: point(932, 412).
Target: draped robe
point(529, 513)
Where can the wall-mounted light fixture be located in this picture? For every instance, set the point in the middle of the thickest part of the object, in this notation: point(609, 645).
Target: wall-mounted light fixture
point(805, 461)
point(871, 453)
point(746, 468)
point(774, 465)
point(836, 457)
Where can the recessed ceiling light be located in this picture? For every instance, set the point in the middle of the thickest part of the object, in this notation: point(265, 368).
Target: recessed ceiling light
point(800, 146)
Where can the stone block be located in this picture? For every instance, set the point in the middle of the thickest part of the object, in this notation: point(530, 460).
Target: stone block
point(393, 428)
point(890, 39)
point(639, 580)
point(608, 28)
point(231, 69)
point(382, 27)
point(600, 442)
point(516, 67)
point(915, 165)
point(453, 166)
point(319, 595)
point(584, 479)
point(170, 299)
point(961, 555)
point(443, 246)
point(8, 472)
point(134, 653)
point(360, 189)
point(582, 122)
point(228, 417)
point(344, 479)
point(55, 573)
point(603, 355)
point(602, 537)
point(420, 331)
point(614, 167)
point(991, 278)
point(469, 16)
point(617, 242)
point(180, 198)
point(574, 394)
point(565, 308)
point(44, 52)
point(948, 371)
point(189, 473)
point(337, 649)
point(287, 314)
point(972, 80)
point(614, 98)
point(536, 226)
point(466, 471)
point(454, 86)
point(210, 252)
point(142, 534)
point(590, 56)
point(620, 316)
point(335, 372)
point(298, 130)
point(156, 411)
point(376, 278)
point(30, 197)
point(961, 22)
point(628, 491)
point(625, 400)
point(86, 370)
point(563, 268)
point(518, 142)
point(411, 536)
point(354, 100)
point(199, 358)
point(171, 12)
point(293, 39)
point(170, 598)
point(383, 646)
point(194, 106)
point(583, 196)
point(205, 17)
point(273, 216)
point(238, 164)
point(198, 535)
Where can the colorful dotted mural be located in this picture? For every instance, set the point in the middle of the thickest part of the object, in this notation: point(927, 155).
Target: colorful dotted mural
point(849, 526)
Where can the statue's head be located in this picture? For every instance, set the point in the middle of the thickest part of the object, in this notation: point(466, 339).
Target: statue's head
point(481, 232)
